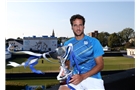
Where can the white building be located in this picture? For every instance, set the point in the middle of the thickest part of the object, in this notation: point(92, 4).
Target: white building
point(131, 52)
point(43, 43)
point(106, 48)
point(16, 44)
point(34, 43)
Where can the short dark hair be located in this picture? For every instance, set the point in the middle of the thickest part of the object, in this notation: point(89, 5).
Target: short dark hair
point(77, 16)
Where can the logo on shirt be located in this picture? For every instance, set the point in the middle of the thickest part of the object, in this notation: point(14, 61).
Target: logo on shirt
point(85, 42)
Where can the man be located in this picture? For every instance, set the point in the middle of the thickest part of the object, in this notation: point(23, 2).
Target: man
point(88, 54)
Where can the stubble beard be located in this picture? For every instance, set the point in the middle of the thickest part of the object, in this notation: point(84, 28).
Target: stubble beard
point(78, 34)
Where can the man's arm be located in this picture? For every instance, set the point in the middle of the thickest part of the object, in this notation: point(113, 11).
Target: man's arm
point(76, 79)
point(67, 63)
point(99, 66)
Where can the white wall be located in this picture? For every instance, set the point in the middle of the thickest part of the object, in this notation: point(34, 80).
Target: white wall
point(130, 51)
point(43, 44)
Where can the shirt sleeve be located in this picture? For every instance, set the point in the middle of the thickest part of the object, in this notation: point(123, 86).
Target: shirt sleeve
point(97, 48)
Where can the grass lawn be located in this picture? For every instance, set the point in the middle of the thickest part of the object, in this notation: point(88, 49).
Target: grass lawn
point(35, 81)
point(118, 63)
point(110, 63)
point(45, 66)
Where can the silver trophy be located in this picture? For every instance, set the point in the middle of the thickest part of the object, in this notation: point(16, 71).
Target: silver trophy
point(62, 54)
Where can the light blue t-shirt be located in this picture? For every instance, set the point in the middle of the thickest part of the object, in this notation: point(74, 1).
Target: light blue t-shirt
point(85, 50)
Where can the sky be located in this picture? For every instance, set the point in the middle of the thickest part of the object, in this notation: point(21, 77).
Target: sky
point(28, 18)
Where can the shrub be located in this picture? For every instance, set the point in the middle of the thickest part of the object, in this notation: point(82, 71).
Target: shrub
point(14, 85)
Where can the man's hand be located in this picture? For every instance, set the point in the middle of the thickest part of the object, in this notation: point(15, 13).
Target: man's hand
point(76, 79)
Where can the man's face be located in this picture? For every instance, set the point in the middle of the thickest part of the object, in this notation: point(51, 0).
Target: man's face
point(78, 27)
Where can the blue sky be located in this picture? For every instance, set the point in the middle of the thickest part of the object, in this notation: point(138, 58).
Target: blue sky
point(41, 18)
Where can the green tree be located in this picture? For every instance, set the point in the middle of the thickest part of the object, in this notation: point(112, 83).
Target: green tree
point(59, 40)
point(128, 45)
point(18, 38)
point(127, 33)
point(113, 40)
point(120, 34)
point(103, 38)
